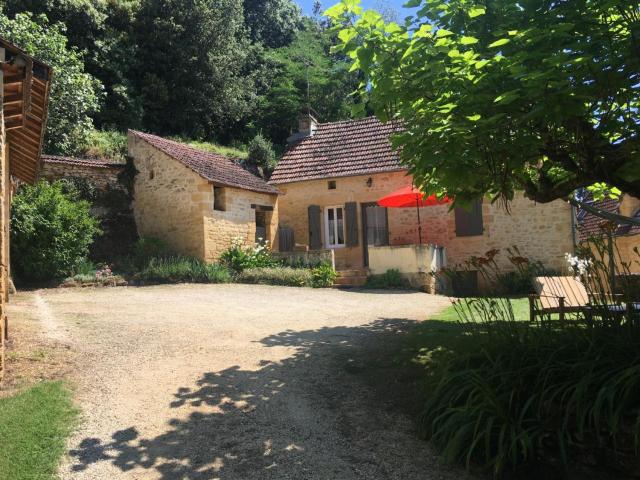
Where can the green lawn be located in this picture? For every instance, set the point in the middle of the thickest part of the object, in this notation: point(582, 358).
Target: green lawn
point(33, 428)
point(520, 309)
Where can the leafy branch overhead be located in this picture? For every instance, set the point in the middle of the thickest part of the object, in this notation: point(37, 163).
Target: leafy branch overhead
point(498, 96)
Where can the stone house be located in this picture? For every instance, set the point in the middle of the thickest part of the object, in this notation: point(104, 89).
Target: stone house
point(332, 177)
point(198, 202)
point(626, 237)
point(24, 84)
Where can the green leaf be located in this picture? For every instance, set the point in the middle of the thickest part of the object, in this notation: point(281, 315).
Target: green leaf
point(474, 118)
point(423, 31)
point(476, 12)
point(499, 43)
point(465, 40)
point(443, 32)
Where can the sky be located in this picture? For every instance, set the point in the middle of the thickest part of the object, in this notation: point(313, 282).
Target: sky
point(307, 5)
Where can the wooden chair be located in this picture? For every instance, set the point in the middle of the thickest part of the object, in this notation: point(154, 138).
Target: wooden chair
point(561, 295)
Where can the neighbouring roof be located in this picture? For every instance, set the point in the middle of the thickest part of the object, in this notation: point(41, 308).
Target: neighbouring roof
point(340, 149)
point(589, 224)
point(210, 166)
point(26, 85)
point(81, 162)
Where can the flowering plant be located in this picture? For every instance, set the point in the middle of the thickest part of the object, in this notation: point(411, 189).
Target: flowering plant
point(579, 266)
point(240, 256)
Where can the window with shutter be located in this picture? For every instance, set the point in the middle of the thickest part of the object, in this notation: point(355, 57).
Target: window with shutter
point(469, 222)
point(334, 227)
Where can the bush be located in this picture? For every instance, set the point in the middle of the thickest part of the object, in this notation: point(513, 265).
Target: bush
point(511, 395)
point(261, 153)
point(390, 279)
point(291, 277)
point(239, 256)
point(323, 276)
point(148, 248)
point(51, 231)
point(182, 269)
point(106, 145)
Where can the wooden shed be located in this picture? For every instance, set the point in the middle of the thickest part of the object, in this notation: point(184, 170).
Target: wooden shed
point(25, 84)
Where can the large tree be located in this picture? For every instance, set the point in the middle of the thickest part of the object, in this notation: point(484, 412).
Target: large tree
point(75, 94)
point(497, 96)
point(305, 73)
point(194, 66)
point(101, 30)
point(273, 23)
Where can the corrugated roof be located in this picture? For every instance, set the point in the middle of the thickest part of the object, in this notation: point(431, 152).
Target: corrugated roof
point(340, 149)
point(213, 167)
point(83, 162)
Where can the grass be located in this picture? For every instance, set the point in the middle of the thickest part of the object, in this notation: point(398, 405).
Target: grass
point(33, 428)
point(214, 148)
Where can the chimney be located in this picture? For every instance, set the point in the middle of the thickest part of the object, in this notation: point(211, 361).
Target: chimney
point(307, 126)
point(307, 123)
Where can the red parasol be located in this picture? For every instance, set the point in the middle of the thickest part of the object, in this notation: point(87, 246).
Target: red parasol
point(411, 196)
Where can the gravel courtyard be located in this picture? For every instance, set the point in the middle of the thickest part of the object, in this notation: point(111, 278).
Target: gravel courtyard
point(234, 382)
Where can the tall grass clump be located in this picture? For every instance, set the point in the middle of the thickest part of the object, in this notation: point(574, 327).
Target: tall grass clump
point(182, 269)
point(513, 397)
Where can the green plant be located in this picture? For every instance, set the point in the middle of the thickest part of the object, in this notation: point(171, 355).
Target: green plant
point(106, 145)
point(33, 428)
point(182, 269)
point(511, 395)
point(239, 256)
point(392, 278)
point(323, 275)
point(291, 277)
point(51, 231)
point(85, 267)
point(261, 153)
point(147, 248)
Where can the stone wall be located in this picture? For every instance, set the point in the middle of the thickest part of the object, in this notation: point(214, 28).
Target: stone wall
point(101, 174)
point(175, 204)
point(238, 220)
point(543, 232)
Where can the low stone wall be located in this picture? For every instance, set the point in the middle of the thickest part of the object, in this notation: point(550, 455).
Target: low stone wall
point(310, 258)
point(101, 174)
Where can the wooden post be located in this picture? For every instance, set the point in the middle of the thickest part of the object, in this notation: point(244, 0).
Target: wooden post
point(532, 308)
point(561, 305)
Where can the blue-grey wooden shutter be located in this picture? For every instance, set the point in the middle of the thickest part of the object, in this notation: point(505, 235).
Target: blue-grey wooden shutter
point(351, 217)
point(469, 222)
point(315, 231)
point(286, 239)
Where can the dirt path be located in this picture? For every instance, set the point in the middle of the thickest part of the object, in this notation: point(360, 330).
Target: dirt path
point(235, 382)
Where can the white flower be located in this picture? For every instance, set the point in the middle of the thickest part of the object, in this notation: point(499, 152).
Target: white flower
point(580, 266)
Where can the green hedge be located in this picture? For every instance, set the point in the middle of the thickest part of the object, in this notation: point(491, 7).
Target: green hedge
point(287, 276)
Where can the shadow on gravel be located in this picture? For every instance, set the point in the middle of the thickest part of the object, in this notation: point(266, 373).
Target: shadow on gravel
point(312, 415)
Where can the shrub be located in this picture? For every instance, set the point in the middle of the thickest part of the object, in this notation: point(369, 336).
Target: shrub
point(323, 276)
point(390, 279)
point(106, 145)
point(513, 395)
point(51, 231)
point(291, 277)
point(261, 153)
point(239, 256)
point(148, 248)
point(183, 269)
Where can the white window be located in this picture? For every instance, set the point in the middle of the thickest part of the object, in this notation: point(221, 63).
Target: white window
point(334, 227)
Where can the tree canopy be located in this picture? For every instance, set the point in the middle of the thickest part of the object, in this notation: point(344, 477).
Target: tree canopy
point(497, 96)
point(75, 95)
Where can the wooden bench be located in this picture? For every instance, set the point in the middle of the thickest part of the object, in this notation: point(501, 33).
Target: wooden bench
point(563, 295)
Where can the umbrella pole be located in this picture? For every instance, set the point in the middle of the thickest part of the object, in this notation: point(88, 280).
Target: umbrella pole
point(419, 224)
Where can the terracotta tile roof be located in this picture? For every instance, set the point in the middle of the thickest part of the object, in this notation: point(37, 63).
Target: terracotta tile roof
point(591, 225)
point(83, 162)
point(210, 166)
point(340, 149)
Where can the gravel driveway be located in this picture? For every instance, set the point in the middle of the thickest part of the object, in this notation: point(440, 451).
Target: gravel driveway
point(235, 382)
